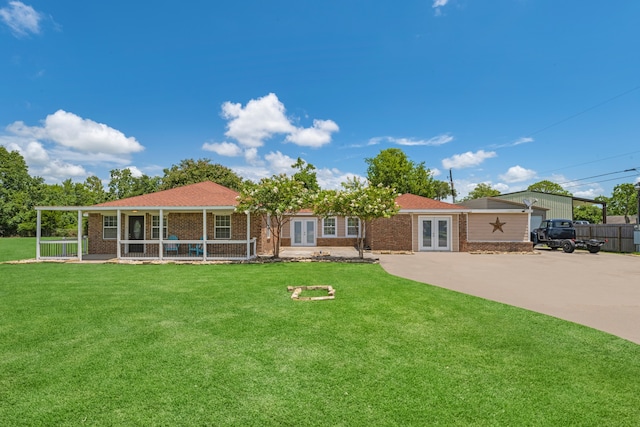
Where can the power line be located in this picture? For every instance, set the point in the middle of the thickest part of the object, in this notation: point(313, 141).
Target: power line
point(584, 111)
point(591, 162)
point(598, 176)
point(597, 182)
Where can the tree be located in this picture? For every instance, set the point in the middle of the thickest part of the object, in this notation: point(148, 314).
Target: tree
point(276, 200)
point(19, 193)
point(191, 171)
point(123, 184)
point(442, 190)
point(360, 200)
point(392, 168)
point(481, 190)
point(306, 175)
point(548, 187)
point(590, 213)
point(623, 201)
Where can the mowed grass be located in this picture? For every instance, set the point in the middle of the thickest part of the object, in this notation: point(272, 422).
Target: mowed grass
point(225, 345)
point(17, 248)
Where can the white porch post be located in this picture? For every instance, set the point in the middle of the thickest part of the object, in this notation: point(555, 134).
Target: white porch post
point(118, 228)
point(79, 234)
point(161, 235)
point(38, 232)
point(248, 234)
point(204, 234)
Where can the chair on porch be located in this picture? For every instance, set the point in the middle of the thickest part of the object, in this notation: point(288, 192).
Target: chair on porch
point(173, 248)
point(195, 249)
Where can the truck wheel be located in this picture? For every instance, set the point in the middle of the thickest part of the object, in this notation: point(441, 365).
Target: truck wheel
point(568, 246)
point(593, 249)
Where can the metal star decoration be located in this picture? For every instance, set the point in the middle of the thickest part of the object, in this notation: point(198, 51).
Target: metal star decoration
point(497, 225)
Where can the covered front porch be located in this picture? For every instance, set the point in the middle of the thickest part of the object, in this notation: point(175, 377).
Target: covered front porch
point(143, 233)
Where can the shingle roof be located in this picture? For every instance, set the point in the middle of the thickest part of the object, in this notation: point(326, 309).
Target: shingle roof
point(411, 201)
point(198, 195)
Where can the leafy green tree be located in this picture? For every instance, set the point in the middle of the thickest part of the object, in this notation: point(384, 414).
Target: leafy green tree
point(357, 199)
point(191, 171)
point(276, 200)
point(123, 184)
point(548, 187)
point(95, 191)
point(306, 175)
point(481, 190)
point(623, 201)
point(19, 193)
point(590, 213)
point(442, 190)
point(392, 168)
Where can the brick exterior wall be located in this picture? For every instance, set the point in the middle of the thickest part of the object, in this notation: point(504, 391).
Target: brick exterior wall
point(186, 226)
point(462, 226)
point(389, 234)
point(466, 246)
point(499, 246)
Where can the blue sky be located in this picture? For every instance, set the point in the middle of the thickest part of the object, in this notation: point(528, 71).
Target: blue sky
point(505, 92)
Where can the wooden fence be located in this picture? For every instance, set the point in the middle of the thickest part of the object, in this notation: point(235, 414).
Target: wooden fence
point(619, 237)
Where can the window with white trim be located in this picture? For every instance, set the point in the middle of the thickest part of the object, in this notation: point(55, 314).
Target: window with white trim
point(353, 227)
point(329, 228)
point(155, 227)
point(109, 226)
point(222, 229)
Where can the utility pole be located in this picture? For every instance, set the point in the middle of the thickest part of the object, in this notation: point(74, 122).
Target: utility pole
point(453, 190)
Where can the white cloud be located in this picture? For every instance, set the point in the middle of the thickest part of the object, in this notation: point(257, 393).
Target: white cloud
point(468, 159)
point(265, 117)
point(331, 179)
point(316, 136)
point(522, 140)
point(135, 172)
point(438, 4)
point(65, 143)
point(21, 19)
point(518, 174)
point(432, 142)
point(74, 132)
point(279, 163)
point(259, 120)
point(227, 149)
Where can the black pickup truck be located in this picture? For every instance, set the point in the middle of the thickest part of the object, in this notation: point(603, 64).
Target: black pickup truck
point(560, 233)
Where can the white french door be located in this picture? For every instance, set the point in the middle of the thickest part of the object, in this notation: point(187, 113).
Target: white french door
point(435, 233)
point(303, 232)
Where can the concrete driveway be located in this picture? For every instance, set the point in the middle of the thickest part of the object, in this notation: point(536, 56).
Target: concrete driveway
point(597, 290)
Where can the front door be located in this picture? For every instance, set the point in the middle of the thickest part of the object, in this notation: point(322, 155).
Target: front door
point(435, 233)
point(136, 232)
point(303, 232)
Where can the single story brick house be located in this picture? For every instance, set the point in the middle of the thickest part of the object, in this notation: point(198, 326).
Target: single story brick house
point(422, 224)
point(193, 222)
point(199, 222)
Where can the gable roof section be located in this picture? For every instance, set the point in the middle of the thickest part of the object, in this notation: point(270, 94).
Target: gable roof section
point(409, 202)
point(202, 194)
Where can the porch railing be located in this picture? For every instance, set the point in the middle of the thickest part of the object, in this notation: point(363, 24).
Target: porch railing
point(187, 249)
point(62, 247)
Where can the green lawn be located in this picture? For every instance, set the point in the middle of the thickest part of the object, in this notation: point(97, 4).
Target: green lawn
point(225, 345)
point(15, 248)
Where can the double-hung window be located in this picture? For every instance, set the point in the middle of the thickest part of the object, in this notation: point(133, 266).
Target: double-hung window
point(329, 227)
point(155, 227)
point(109, 227)
point(222, 228)
point(353, 227)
